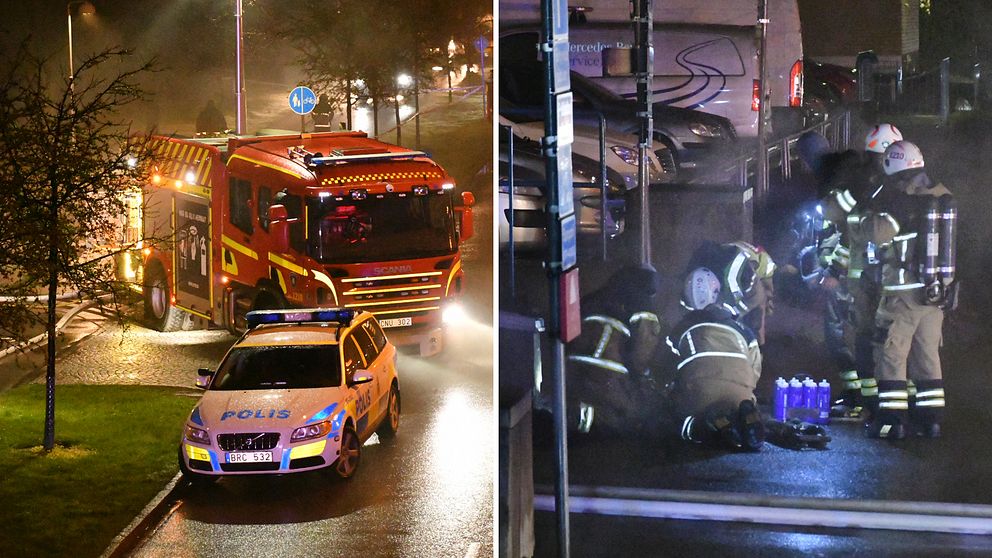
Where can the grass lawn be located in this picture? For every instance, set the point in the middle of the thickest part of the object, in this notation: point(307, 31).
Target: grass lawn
point(117, 449)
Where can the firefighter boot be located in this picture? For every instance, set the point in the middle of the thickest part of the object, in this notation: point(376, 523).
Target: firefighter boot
point(849, 405)
point(869, 398)
point(893, 411)
point(750, 426)
point(699, 431)
point(927, 414)
point(728, 436)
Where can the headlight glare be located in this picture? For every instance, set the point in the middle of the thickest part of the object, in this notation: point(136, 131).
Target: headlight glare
point(311, 431)
point(705, 130)
point(197, 435)
point(628, 155)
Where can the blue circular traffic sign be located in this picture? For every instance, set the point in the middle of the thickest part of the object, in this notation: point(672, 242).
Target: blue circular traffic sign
point(302, 100)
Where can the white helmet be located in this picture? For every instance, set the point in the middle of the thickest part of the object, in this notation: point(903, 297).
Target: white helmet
point(702, 288)
point(881, 137)
point(902, 155)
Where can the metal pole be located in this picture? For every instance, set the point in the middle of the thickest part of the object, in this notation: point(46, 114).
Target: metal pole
point(763, 102)
point(644, 72)
point(602, 181)
point(945, 90)
point(239, 77)
point(72, 90)
point(510, 217)
point(554, 20)
point(482, 69)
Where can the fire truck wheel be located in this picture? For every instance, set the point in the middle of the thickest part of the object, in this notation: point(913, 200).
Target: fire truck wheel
point(159, 311)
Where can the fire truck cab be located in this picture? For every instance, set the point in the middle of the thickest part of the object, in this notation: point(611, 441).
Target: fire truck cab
point(304, 220)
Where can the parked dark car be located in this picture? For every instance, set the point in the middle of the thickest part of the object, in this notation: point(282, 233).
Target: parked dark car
point(684, 139)
point(529, 200)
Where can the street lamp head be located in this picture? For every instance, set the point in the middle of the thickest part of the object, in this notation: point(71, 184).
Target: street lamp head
point(404, 80)
point(85, 7)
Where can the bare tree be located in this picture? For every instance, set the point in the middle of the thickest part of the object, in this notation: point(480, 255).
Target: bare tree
point(66, 161)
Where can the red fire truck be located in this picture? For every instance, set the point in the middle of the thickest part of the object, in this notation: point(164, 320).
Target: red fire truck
point(325, 219)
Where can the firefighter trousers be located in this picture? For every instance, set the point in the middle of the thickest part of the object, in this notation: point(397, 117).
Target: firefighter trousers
point(908, 336)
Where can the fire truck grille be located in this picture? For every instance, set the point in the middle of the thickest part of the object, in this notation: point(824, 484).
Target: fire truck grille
point(394, 295)
point(370, 282)
point(252, 441)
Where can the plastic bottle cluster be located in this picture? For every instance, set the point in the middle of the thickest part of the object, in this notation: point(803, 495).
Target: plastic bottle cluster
point(802, 399)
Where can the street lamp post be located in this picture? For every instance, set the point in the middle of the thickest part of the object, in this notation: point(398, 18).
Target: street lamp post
point(239, 77)
point(85, 8)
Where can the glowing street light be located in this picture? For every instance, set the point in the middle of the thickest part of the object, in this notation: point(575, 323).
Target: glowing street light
point(404, 80)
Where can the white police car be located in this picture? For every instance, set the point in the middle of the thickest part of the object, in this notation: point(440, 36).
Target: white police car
point(301, 390)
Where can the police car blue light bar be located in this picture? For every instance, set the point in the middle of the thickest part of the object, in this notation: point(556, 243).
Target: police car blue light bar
point(309, 315)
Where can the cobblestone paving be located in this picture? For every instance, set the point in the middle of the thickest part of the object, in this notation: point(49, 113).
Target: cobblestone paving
point(143, 356)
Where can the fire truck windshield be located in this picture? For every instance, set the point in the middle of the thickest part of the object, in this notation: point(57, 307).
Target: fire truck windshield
point(380, 227)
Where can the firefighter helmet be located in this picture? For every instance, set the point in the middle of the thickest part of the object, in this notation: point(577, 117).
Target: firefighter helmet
point(702, 288)
point(902, 155)
point(881, 137)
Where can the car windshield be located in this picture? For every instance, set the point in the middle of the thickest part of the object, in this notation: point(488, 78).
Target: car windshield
point(283, 367)
point(381, 227)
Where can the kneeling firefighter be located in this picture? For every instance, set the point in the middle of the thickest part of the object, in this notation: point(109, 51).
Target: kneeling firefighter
point(608, 371)
point(914, 225)
point(746, 273)
point(719, 363)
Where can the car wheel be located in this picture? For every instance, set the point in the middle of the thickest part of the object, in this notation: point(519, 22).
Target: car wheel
point(350, 454)
point(392, 421)
point(195, 479)
point(159, 311)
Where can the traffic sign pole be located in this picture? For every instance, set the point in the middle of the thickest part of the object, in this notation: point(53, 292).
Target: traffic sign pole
point(561, 229)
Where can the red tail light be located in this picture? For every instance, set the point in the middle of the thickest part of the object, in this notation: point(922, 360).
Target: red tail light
point(756, 95)
point(796, 84)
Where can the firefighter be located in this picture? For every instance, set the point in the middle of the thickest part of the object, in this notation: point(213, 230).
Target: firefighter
point(719, 363)
point(746, 273)
point(609, 363)
point(322, 113)
point(853, 294)
point(913, 224)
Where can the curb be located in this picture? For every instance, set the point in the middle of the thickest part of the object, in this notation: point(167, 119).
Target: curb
point(146, 521)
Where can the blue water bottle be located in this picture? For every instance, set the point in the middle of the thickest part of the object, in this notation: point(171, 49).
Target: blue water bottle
point(795, 394)
point(809, 393)
point(823, 401)
point(781, 401)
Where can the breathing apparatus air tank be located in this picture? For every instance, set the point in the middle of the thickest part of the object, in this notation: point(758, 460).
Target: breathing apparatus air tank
point(947, 252)
point(929, 272)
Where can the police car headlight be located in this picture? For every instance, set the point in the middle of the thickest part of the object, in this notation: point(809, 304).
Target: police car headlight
point(194, 434)
point(311, 431)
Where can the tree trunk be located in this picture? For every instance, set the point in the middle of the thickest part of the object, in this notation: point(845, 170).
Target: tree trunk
point(348, 102)
point(53, 278)
point(396, 107)
point(375, 116)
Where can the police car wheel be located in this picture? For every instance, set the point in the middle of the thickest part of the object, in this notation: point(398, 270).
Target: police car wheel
point(195, 479)
point(391, 423)
point(350, 454)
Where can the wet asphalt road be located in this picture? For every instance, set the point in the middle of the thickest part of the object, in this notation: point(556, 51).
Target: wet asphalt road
point(428, 492)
